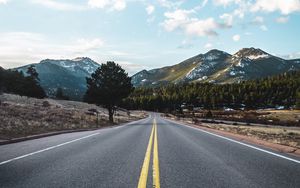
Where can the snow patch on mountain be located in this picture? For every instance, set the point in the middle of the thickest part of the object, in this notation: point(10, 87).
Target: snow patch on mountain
point(202, 78)
point(242, 63)
point(198, 71)
point(188, 74)
point(254, 57)
point(211, 57)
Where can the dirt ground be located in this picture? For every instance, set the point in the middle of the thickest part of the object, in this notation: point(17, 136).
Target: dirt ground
point(275, 135)
point(23, 116)
point(265, 116)
point(283, 115)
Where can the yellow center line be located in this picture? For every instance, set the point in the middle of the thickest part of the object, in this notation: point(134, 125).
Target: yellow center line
point(156, 180)
point(145, 168)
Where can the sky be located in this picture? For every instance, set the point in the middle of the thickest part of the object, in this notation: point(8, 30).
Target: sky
point(144, 34)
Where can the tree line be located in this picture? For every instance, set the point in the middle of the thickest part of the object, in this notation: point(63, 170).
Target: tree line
point(280, 90)
point(110, 86)
point(12, 81)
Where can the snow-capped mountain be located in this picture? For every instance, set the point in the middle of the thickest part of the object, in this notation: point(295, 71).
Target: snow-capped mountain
point(84, 64)
point(70, 75)
point(218, 67)
point(214, 66)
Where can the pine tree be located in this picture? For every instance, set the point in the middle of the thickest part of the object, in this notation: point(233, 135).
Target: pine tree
point(107, 86)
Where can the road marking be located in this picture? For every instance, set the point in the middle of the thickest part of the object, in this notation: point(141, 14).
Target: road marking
point(144, 172)
point(156, 180)
point(69, 142)
point(244, 144)
point(46, 149)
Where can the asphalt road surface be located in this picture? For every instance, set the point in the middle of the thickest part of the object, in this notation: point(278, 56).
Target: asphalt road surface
point(153, 152)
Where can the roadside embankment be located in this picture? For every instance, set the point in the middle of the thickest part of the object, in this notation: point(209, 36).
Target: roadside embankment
point(23, 117)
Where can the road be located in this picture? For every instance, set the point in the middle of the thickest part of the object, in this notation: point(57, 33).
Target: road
point(150, 152)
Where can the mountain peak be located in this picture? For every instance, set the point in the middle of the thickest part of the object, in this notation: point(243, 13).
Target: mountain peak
point(82, 59)
point(215, 51)
point(215, 54)
point(252, 53)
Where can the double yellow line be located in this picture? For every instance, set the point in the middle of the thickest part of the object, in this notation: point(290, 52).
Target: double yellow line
point(145, 168)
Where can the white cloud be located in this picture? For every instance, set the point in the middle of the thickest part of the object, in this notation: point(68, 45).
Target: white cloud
point(150, 9)
point(208, 46)
point(284, 6)
point(3, 1)
point(264, 28)
point(19, 48)
point(110, 4)
point(180, 19)
point(117, 5)
point(98, 3)
point(236, 38)
point(228, 19)
point(170, 4)
point(282, 19)
point(223, 2)
point(239, 12)
point(176, 19)
point(58, 5)
point(259, 21)
point(202, 28)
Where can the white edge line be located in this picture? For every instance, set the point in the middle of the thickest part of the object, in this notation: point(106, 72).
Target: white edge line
point(65, 143)
point(241, 143)
point(46, 149)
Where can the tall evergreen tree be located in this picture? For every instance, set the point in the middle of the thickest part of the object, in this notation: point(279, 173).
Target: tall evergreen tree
point(107, 86)
point(32, 86)
point(33, 73)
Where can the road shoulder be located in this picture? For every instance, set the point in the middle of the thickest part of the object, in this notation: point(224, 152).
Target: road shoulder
point(243, 138)
point(32, 137)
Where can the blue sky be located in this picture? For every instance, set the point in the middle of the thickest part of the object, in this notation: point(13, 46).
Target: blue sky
point(144, 34)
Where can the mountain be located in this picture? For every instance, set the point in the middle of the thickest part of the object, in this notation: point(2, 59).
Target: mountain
point(217, 66)
point(214, 66)
point(66, 74)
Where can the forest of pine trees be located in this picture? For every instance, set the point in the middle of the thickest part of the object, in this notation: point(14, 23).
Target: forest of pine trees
point(17, 83)
point(281, 90)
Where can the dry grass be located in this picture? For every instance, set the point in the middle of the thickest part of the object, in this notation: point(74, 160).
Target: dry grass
point(22, 116)
point(278, 135)
point(283, 115)
point(272, 117)
point(288, 136)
